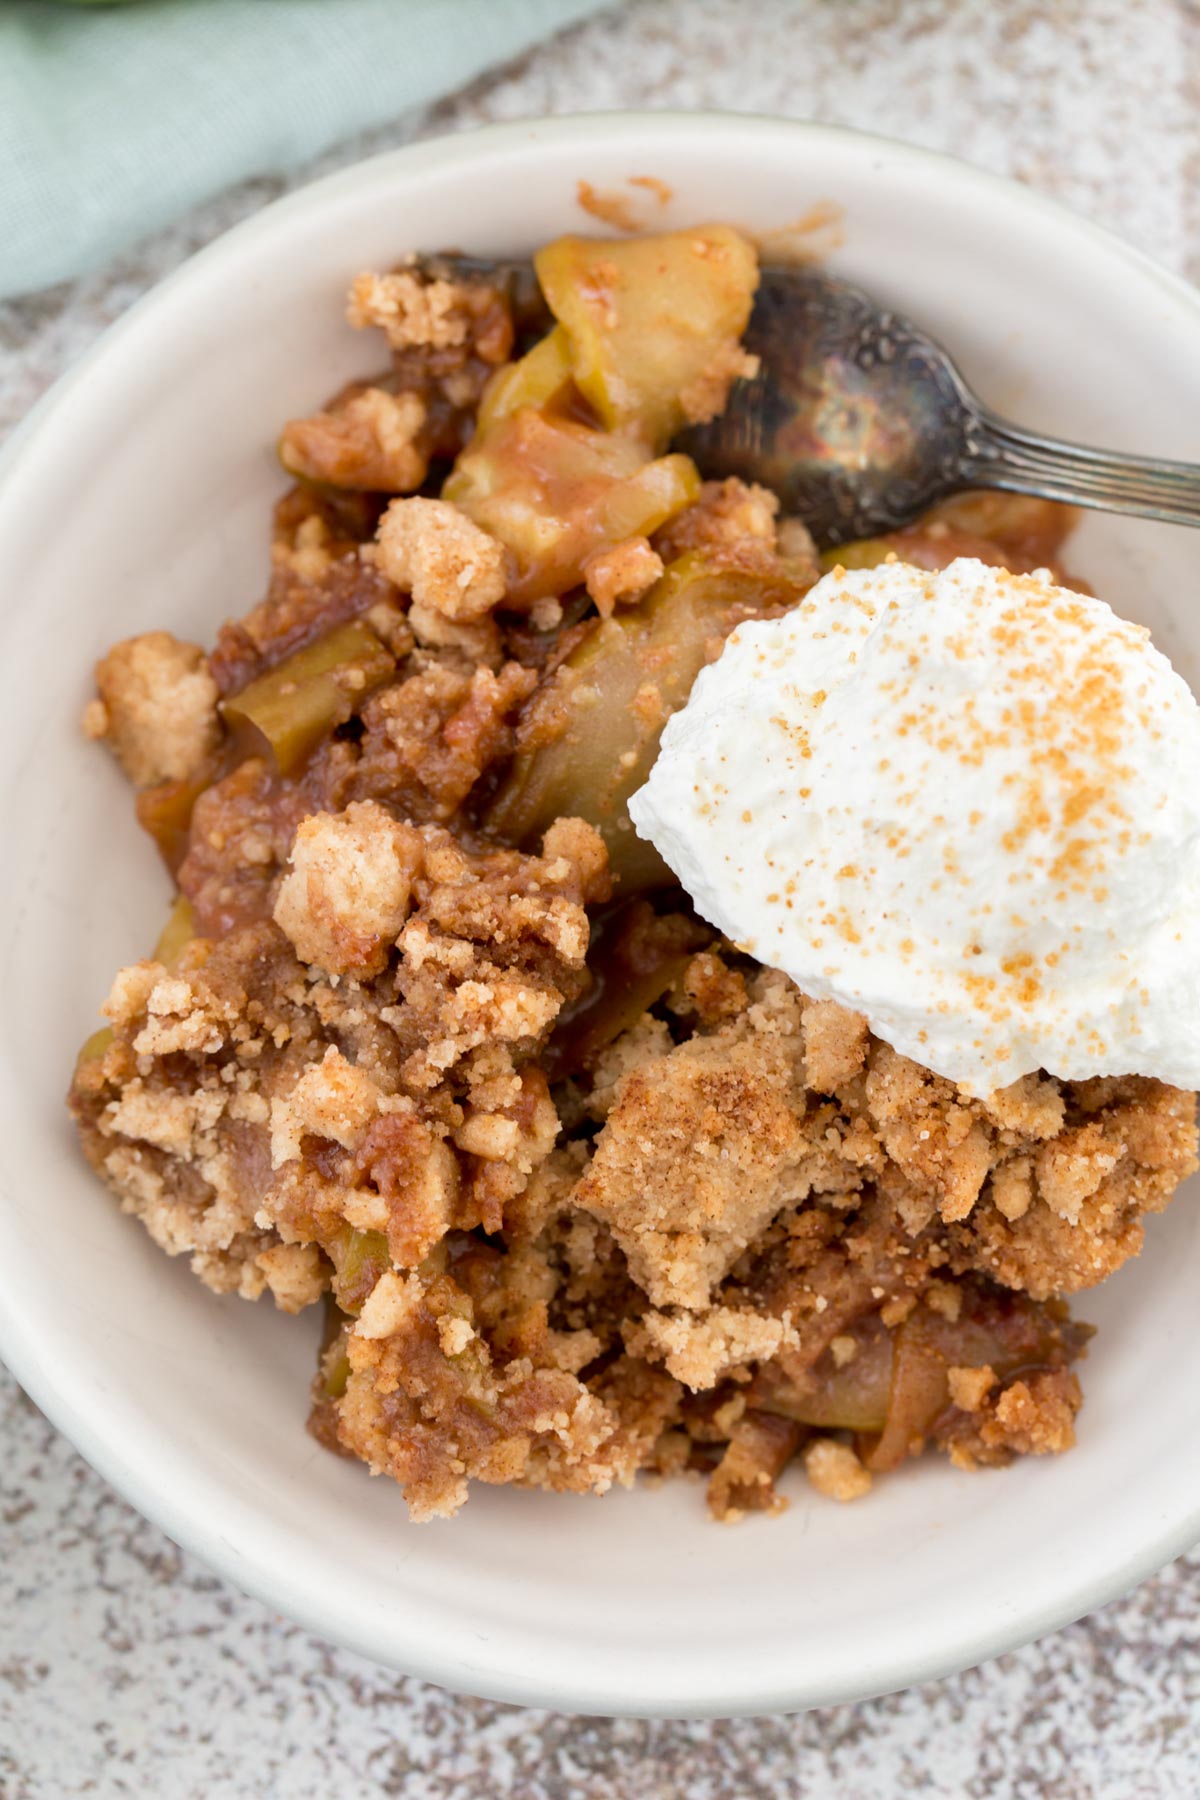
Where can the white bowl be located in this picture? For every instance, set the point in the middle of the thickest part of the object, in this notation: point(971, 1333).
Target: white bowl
point(138, 496)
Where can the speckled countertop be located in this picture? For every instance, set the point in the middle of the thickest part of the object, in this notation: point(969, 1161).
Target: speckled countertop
point(125, 1667)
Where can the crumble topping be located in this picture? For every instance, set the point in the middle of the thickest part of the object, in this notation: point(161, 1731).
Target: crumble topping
point(157, 707)
point(414, 314)
point(294, 1273)
point(760, 1446)
point(729, 516)
point(969, 1388)
point(620, 576)
point(443, 559)
point(247, 1090)
point(347, 890)
point(332, 1099)
point(309, 551)
point(585, 1190)
point(835, 1471)
point(704, 397)
point(369, 439)
point(1035, 1417)
point(702, 1349)
point(700, 1150)
point(95, 720)
point(835, 1044)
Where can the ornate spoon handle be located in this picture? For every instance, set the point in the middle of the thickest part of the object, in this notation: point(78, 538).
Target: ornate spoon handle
point(1000, 455)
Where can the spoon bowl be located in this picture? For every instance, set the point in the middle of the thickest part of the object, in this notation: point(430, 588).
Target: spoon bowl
point(856, 419)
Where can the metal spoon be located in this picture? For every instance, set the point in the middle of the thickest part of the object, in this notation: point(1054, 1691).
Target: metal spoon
point(859, 421)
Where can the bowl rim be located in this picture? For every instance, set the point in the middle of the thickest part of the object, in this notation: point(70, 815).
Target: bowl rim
point(130, 1467)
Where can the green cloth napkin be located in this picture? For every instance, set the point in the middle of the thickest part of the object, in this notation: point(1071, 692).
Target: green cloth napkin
point(114, 120)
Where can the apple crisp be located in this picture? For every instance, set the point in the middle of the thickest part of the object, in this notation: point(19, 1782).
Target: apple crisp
point(432, 1040)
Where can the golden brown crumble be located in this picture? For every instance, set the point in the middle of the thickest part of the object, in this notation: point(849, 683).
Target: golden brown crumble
point(435, 1418)
point(1033, 1417)
point(245, 1093)
point(760, 1445)
point(413, 313)
point(308, 552)
point(157, 707)
point(436, 554)
point(701, 1148)
point(835, 1471)
point(333, 1099)
point(705, 395)
point(295, 1274)
point(701, 1349)
point(346, 893)
point(728, 516)
point(585, 1191)
point(368, 439)
point(969, 1388)
point(641, 1043)
point(620, 576)
point(95, 719)
point(835, 1045)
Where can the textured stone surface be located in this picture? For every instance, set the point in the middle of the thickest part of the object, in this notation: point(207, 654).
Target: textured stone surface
point(125, 1668)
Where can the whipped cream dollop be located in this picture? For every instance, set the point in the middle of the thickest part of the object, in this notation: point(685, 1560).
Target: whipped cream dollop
point(964, 803)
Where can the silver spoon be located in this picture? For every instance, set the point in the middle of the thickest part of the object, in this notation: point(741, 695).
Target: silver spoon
point(859, 421)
